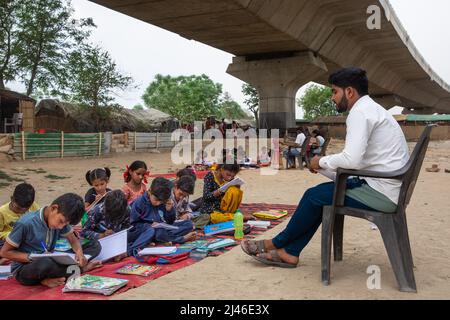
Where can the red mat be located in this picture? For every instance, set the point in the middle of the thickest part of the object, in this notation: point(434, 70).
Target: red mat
point(12, 290)
point(199, 174)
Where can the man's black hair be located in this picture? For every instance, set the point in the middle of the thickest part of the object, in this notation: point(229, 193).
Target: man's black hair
point(161, 189)
point(71, 206)
point(186, 184)
point(351, 77)
point(23, 195)
point(116, 206)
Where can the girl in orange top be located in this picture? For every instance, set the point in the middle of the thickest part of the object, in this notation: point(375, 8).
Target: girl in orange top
point(135, 180)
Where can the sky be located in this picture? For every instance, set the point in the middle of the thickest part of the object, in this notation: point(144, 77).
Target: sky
point(142, 50)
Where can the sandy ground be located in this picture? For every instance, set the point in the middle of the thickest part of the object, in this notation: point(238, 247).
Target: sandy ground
point(236, 276)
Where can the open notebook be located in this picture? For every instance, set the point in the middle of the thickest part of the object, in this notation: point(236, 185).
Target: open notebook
point(59, 257)
point(235, 182)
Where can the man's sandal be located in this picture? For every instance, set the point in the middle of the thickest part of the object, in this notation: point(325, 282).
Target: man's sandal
point(253, 247)
point(274, 261)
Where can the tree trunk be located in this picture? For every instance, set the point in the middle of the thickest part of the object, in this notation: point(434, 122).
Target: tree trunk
point(2, 83)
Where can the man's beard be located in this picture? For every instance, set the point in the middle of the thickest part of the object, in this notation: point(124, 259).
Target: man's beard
point(343, 105)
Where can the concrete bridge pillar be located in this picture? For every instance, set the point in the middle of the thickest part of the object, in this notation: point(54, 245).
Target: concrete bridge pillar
point(277, 81)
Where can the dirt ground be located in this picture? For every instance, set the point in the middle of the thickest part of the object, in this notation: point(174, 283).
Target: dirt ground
point(236, 276)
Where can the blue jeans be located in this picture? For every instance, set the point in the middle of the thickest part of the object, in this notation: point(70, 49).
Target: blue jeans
point(290, 155)
point(308, 216)
point(142, 234)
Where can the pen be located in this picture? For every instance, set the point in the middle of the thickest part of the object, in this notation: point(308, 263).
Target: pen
point(44, 246)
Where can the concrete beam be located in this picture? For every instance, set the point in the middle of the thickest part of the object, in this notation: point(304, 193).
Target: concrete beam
point(277, 81)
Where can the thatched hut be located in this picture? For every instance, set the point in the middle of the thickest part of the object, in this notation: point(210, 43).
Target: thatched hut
point(13, 102)
point(53, 115)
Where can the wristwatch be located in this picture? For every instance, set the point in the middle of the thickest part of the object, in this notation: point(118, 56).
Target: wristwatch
point(29, 257)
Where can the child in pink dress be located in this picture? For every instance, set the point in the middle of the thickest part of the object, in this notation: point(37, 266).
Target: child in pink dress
point(135, 180)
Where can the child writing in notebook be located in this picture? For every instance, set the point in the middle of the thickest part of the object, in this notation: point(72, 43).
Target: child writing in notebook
point(37, 232)
point(109, 217)
point(150, 209)
point(22, 201)
point(135, 178)
point(98, 179)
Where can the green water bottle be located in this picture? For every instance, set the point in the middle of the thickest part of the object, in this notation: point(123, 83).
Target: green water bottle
point(238, 225)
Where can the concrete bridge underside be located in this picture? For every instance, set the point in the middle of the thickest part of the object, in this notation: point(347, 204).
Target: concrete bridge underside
point(281, 45)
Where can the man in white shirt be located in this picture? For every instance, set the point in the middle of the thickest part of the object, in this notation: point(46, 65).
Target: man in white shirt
point(374, 141)
point(292, 153)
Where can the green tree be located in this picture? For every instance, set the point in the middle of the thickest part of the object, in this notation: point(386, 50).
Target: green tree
point(47, 33)
point(316, 102)
point(230, 109)
point(138, 107)
point(187, 98)
point(252, 100)
point(91, 79)
point(9, 40)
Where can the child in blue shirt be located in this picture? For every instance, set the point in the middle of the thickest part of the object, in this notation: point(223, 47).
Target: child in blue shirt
point(155, 206)
point(37, 232)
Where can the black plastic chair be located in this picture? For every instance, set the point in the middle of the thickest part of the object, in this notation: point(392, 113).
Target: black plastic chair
point(392, 226)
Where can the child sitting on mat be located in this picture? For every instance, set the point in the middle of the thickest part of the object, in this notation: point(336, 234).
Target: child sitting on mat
point(22, 201)
point(98, 179)
point(37, 232)
point(151, 209)
point(135, 180)
point(217, 205)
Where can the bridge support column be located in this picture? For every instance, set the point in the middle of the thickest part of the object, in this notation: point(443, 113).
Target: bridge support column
point(277, 81)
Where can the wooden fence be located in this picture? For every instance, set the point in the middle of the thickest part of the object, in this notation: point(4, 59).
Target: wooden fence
point(58, 145)
point(144, 141)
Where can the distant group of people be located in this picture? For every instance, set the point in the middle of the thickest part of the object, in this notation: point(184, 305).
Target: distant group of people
point(314, 147)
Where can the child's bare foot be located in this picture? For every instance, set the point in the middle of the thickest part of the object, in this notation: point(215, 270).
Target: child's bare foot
point(191, 236)
point(53, 282)
point(92, 265)
point(120, 257)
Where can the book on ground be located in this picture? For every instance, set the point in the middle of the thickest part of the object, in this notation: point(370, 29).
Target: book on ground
point(235, 182)
point(270, 214)
point(59, 257)
point(157, 251)
point(216, 244)
point(138, 269)
point(218, 228)
point(259, 223)
point(113, 245)
point(94, 284)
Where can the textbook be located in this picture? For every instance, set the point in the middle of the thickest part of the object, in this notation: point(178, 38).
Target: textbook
point(138, 270)
point(59, 257)
point(259, 224)
point(218, 228)
point(94, 284)
point(216, 244)
point(157, 251)
point(270, 214)
point(235, 182)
